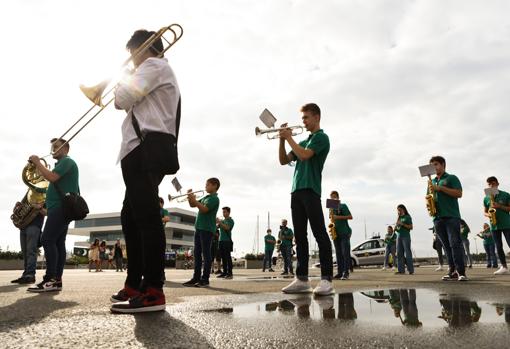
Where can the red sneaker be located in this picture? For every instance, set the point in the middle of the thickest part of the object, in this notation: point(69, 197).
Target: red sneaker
point(153, 299)
point(125, 294)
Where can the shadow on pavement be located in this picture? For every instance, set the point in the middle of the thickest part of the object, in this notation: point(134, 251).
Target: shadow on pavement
point(161, 330)
point(30, 310)
point(12, 287)
point(171, 284)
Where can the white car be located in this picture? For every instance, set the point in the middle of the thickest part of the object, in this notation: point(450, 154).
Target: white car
point(369, 252)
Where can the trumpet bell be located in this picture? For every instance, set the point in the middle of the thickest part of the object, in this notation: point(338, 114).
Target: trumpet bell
point(95, 93)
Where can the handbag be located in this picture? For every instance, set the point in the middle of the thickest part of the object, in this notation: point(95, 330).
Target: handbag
point(159, 149)
point(74, 206)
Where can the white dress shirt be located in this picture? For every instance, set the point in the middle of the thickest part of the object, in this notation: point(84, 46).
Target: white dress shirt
point(152, 93)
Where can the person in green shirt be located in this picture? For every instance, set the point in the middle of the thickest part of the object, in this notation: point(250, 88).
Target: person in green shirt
point(286, 235)
point(403, 229)
point(502, 227)
point(447, 191)
point(226, 244)
point(489, 246)
point(342, 243)
point(205, 226)
point(310, 156)
point(390, 241)
point(269, 242)
point(165, 215)
point(64, 176)
point(464, 232)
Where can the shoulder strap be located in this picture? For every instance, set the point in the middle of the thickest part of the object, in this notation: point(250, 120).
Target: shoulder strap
point(136, 126)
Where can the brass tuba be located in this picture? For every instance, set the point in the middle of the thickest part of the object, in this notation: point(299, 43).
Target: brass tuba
point(30, 206)
point(492, 212)
point(331, 226)
point(430, 199)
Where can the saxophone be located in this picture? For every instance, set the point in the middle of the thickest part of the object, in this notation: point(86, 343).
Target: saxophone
point(331, 226)
point(25, 211)
point(430, 200)
point(492, 212)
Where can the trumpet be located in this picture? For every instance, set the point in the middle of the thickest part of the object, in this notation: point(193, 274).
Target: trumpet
point(184, 197)
point(296, 130)
point(492, 212)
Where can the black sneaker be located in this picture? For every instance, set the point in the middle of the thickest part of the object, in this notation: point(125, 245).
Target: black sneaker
point(451, 277)
point(271, 270)
point(202, 283)
point(190, 283)
point(26, 280)
point(284, 273)
point(217, 272)
point(229, 277)
point(45, 286)
point(222, 275)
point(17, 281)
point(345, 276)
point(125, 294)
point(153, 299)
point(337, 277)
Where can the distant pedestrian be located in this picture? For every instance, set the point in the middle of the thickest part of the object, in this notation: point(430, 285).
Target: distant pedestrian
point(94, 255)
point(117, 256)
point(390, 241)
point(269, 243)
point(102, 255)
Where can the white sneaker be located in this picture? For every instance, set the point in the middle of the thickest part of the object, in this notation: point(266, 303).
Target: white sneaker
point(501, 271)
point(298, 286)
point(324, 288)
point(439, 268)
point(383, 268)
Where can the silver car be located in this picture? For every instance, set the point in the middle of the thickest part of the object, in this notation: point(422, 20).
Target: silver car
point(369, 252)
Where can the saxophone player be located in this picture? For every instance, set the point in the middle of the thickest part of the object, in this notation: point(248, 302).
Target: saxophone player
point(342, 242)
point(448, 190)
point(501, 203)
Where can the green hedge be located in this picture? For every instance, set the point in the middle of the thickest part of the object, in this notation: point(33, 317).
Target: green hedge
point(10, 255)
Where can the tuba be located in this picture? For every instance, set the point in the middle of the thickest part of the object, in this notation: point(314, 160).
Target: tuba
point(430, 199)
point(331, 226)
point(492, 212)
point(30, 206)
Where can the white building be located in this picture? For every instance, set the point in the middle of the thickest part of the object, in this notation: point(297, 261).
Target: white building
point(106, 226)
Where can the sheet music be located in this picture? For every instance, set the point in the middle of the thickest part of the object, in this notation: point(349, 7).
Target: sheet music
point(491, 191)
point(427, 170)
point(177, 185)
point(267, 118)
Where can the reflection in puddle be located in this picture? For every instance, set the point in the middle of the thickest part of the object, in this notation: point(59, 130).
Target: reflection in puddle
point(396, 307)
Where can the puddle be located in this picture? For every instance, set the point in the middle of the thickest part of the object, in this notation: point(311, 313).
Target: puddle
point(410, 308)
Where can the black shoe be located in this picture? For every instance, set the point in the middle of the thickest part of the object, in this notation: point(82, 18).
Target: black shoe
point(263, 270)
point(271, 270)
point(470, 267)
point(47, 285)
point(345, 276)
point(202, 283)
point(284, 273)
point(229, 277)
point(190, 283)
point(153, 299)
point(17, 281)
point(453, 276)
point(221, 275)
point(26, 280)
point(337, 277)
point(218, 272)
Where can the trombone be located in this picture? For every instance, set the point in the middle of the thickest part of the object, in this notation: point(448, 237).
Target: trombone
point(184, 197)
point(296, 130)
point(97, 93)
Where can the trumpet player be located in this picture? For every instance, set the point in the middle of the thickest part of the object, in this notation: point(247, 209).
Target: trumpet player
point(151, 99)
point(226, 245)
point(205, 226)
point(342, 242)
point(501, 202)
point(310, 156)
point(448, 190)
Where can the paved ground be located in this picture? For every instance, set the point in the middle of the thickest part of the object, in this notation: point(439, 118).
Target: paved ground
point(239, 313)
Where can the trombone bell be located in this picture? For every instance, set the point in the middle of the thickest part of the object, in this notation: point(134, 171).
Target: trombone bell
point(95, 93)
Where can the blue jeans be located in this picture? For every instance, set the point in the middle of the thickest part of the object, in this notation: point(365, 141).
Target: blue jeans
point(492, 260)
point(53, 240)
point(203, 241)
point(287, 258)
point(448, 230)
point(404, 250)
point(268, 258)
point(343, 253)
point(467, 255)
point(498, 239)
point(390, 250)
point(29, 239)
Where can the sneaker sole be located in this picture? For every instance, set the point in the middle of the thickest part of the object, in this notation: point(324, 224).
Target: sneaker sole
point(328, 293)
point(113, 300)
point(45, 290)
point(138, 310)
point(309, 290)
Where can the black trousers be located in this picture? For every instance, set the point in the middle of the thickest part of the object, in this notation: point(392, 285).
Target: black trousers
point(141, 224)
point(225, 249)
point(306, 206)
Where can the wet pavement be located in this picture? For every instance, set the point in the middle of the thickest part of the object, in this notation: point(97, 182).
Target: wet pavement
point(373, 309)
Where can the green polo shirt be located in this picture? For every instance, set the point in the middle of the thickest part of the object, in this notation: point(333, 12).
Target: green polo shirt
point(67, 169)
point(308, 173)
point(164, 213)
point(286, 233)
point(487, 237)
point(269, 242)
point(390, 239)
point(342, 225)
point(502, 217)
point(401, 230)
point(226, 235)
point(447, 206)
point(464, 231)
point(207, 221)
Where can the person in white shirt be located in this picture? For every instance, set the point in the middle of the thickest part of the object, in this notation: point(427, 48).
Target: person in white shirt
point(151, 98)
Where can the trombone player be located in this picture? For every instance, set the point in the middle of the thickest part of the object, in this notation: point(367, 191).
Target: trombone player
point(310, 156)
point(151, 99)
